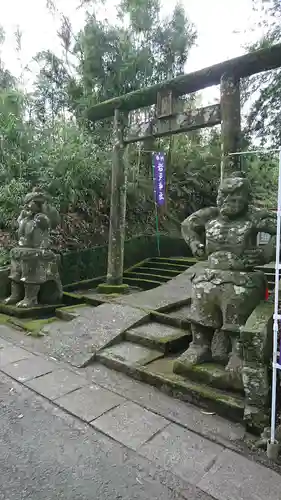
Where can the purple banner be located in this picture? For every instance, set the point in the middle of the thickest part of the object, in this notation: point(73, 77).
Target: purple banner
point(158, 162)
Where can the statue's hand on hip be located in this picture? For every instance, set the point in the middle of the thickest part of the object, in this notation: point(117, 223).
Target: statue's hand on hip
point(253, 257)
point(197, 249)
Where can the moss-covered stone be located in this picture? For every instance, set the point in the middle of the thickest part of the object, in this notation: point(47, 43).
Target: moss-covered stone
point(69, 312)
point(146, 275)
point(210, 374)
point(30, 327)
point(4, 319)
point(105, 288)
point(91, 263)
point(29, 312)
point(146, 284)
point(160, 374)
point(35, 327)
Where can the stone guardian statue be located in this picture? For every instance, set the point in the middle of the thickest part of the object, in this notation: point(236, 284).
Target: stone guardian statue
point(33, 263)
point(226, 288)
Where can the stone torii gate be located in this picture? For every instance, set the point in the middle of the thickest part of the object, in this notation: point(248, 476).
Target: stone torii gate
point(170, 118)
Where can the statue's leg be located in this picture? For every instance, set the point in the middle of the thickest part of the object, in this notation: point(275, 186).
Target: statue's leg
point(220, 347)
point(31, 295)
point(15, 276)
point(16, 293)
point(200, 347)
point(199, 350)
point(205, 318)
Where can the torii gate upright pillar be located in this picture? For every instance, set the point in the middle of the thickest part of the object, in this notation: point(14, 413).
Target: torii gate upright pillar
point(230, 124)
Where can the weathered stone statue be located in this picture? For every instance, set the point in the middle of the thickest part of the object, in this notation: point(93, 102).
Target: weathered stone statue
point(33, 263)
point(226, 288)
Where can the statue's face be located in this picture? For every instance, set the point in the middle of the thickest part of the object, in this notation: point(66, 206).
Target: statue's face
point(233, 197)
point(33, 206)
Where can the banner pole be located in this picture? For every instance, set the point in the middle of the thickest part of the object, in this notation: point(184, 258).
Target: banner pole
point(155, 205)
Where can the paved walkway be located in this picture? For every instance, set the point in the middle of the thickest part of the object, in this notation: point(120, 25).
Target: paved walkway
point(180, 450)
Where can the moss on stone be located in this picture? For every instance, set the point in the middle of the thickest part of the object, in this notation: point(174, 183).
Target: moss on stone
point(31, 312)
point(31, 327)
point(72, 308)
point(71, 299)
point(169, 338)
point(260, 317)
point(146, 284)
point(106, 289)
point(91, 263)
point(34, 327)
point(163, 371)
point(66, 313)
point(4, 319)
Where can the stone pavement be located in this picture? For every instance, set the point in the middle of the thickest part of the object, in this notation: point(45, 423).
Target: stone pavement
point(191, 452)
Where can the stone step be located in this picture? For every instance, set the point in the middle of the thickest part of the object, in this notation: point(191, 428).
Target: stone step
point(148, 275)
point(144, 284)
point(160, 373)
point(168, 273)
point(126, 355)
point(189, 261)
point(150, 366)
point(213, 375)
point(159, 336)
point(181, 315)
point(167, 265)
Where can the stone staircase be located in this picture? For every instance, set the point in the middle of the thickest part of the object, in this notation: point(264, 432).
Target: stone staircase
point(156, 271)
point(147, 352)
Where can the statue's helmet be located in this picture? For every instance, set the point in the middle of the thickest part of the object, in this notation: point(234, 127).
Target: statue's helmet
point(36, 195)
point(234, 182)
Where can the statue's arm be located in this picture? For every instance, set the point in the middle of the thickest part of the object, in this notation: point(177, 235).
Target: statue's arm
point(42, 221)
point(21, 216)
point(53, 215)
point(267, 223)
point(193, 229)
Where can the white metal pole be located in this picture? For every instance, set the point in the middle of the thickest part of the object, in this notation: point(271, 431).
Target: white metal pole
point(276, 315)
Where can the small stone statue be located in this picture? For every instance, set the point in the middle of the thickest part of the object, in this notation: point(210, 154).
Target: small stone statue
point(33, 264)
point(226, 289)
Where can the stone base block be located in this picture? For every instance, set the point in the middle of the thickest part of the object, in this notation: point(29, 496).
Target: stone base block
point(40, 311)
point(211, 374)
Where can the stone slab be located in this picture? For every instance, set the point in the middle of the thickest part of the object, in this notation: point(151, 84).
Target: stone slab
point(211, 374)
point(78, 341)
point(233, 477)
point(90, 402)
point(27, 369)
point(129, 354)
point(68, 313)
point(145, 470)
point(181, 313)
point(189, 416)
point(11, 354)
point(130, 424)
point(156, 335)
point(164, 296)
point(30, 312)
point(4, 343)
point(56, 384)
point(160, 373)
point(182, 452)
point(49, 455)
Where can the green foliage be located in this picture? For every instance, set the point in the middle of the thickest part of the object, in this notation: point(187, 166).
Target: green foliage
point(264, 120)
point(45, 140)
